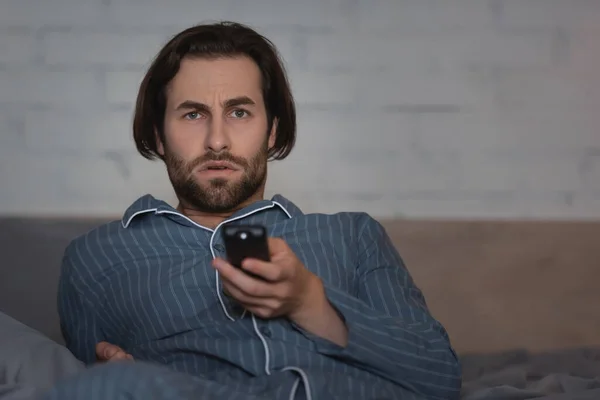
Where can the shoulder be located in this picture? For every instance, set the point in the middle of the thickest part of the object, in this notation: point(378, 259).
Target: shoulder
point(83, 253)
point(356, 225)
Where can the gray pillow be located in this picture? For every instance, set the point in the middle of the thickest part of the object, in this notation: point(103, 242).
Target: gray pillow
point(30, 362)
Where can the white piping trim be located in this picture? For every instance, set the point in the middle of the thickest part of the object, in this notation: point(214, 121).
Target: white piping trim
point(302, 374)
point(184, 217)
point(126, 224)
point(305, 382)
point(283, 208)
point(265, 346)
point(294, 389)
point(217, 281)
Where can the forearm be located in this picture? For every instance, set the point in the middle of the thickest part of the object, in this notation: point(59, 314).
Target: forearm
point(78, 321)
point(321, 319)
point(412, 354)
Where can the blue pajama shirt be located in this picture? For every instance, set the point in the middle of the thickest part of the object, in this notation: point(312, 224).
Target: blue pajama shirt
point(146, 284)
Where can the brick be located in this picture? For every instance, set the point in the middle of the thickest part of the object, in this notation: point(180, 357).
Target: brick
point(589, 169)
point(175, 13)
point(382, 173)
point(289, 45)
point(355, 51)
point(328, 202)
point(584, 53)
point(324, 88)
point(52, 88)
point(547, 13)
point(429, 54)
point(76, 184)
point(307, 14)
point(109, 184)
point(510, 49)
point(518, 171)
point(542, 90)
point(531, 128)
point(17, 48)
point(89, 131)
point(335, 149)
point(585, 205)
point(388, 89)
point(299, 171)
point(373, 171)
point(330, 131)
point(490, 205)
point(117, 49)
point(422, 16)
point(43, 13)
point(36, 175)
point(527, 130)
point(491, 105)
point(11, 134)
point(123, 86)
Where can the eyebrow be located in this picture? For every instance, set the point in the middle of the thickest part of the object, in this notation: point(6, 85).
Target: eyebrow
point(234, 102)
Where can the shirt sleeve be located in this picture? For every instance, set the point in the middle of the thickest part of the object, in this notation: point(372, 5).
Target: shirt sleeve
point(78, 319)
point(391, 332)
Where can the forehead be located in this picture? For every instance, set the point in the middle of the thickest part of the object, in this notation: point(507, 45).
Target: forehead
point(215, 80)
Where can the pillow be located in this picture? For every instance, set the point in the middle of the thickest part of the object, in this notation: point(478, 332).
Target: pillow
point(30, 361)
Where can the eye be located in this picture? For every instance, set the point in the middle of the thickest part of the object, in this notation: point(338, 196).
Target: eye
point(239, 113)
point(192, 115)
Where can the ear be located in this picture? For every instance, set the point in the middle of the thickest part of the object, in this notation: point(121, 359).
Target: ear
point(160, 147)
point(273, 133)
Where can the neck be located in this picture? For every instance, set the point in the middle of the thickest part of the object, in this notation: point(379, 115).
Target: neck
point(210, 219)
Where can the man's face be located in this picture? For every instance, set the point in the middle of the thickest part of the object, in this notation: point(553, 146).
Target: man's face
point(216, 139)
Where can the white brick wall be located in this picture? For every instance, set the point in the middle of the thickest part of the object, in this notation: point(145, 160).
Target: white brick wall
point(417, 108)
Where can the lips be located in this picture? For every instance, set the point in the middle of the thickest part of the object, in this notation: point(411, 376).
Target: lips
point(217, 166)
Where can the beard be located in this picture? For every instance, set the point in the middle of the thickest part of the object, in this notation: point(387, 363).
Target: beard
point(218, 195)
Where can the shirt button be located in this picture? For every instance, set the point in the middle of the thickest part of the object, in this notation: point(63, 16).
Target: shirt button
point(265, 331)
point(219, 247)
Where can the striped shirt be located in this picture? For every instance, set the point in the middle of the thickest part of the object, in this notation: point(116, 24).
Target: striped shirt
point(146, 284)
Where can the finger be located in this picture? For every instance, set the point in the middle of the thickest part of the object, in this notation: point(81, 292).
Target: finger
point(105, 350)
point(262, 312)
point(119, 355)
point(241, 280)
point(243, 298)
point(263, 307)
point(276, 245)
point(267, 270)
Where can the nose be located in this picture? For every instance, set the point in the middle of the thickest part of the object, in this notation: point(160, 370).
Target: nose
point(217, 139)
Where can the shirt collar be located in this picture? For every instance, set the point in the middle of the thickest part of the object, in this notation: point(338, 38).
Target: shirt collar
point(149, 204)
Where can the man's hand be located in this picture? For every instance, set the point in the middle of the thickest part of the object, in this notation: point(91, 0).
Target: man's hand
point(287, 289)
point(110, 352)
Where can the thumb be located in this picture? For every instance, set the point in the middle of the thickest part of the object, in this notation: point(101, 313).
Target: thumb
point(105, 350)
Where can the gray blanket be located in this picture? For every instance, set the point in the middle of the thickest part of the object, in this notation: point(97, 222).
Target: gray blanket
point(30, 363)
point(518, 375)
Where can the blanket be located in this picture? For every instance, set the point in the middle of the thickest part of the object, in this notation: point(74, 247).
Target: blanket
point(572, 374)
point(30, 363)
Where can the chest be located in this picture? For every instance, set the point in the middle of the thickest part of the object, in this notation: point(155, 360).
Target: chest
point(158, 290)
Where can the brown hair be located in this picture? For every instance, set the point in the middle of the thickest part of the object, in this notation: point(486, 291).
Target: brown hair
point(223, 39)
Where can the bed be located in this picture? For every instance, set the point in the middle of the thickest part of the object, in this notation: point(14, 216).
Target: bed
point(517, 297)
point(518, 300)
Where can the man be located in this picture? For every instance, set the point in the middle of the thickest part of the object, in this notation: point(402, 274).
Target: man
point(334, 314)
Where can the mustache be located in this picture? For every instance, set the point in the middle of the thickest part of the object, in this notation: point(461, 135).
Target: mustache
point(228, 157)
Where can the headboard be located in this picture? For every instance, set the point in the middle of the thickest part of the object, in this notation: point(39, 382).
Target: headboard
point(504, 285)
point(494, 285)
